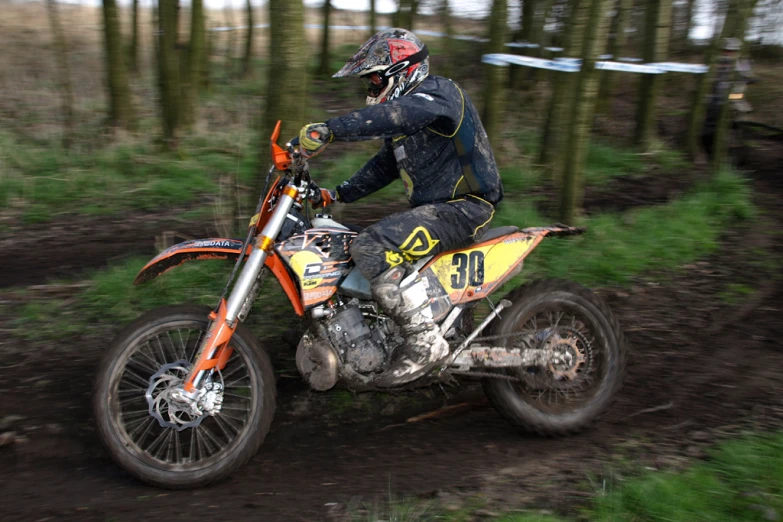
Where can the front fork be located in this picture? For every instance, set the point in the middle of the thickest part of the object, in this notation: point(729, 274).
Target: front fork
point(214, 350)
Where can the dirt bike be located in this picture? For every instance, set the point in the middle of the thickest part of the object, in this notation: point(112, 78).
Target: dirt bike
point(185, 395)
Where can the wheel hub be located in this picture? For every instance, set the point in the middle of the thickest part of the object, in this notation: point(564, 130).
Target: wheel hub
point(172, 406)
point(570, 358)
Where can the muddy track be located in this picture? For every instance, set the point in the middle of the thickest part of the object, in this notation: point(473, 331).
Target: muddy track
point(696, 364)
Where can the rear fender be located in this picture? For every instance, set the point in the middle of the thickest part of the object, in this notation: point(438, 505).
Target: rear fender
point(217, 248)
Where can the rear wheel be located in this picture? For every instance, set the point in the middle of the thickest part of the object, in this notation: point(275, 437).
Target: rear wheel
point(148, 434)
point(579, 325)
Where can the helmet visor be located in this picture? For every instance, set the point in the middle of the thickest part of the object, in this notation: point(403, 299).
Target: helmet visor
point(375, 83)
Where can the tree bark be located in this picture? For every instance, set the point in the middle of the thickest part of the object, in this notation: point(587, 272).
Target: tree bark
point(247, 59)
point(287, 75)
point(191, 79)
point(230, 40)
point(373, 22)
point(407, 13)
point(169, 70)
point(562, 96)
point(133, 48)
point(324, 67)
point(448, 40)
point(656, 49)
point(616, 47)
point(594, 45)
point(525, 34)
point(63, 71)
point(688, 24)
point(120, 112)
point(735, 26)
point(495, 76)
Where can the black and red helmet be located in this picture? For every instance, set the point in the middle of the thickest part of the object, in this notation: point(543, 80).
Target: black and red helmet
point(392, 63)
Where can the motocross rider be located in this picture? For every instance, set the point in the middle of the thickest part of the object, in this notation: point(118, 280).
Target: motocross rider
point(434, 141)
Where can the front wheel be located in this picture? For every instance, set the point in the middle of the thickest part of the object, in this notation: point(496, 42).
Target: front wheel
point(566, 397)
point(147, 433)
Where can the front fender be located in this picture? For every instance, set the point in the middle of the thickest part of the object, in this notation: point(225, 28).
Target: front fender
point(217, 248)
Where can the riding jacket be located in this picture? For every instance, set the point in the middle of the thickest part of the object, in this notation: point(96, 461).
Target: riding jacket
point(433, 141)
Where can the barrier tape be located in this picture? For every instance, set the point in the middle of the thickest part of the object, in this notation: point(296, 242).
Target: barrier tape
point(575, 64)
point(622, 64)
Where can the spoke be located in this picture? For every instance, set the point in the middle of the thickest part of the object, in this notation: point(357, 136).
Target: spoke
point(183, 343)
point(138, 378)
point(143, 365)
point(225, 418)
point(148, 425)
point(135, 412)
point(193, 444)
point(177, 448)
point(196, 346)
point(133, 389)
point(154, 444)
point(162, 351)
point(223, 429)
point(135, 398)
point(154, 361)
point(202, 443)
point(229, 394)
point(232, 372)
point(232, 383)
point(212, 437)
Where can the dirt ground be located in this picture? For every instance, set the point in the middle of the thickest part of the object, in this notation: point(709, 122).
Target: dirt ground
point(700, 369)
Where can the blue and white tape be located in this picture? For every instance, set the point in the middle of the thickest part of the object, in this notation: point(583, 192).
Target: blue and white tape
point(575, 64)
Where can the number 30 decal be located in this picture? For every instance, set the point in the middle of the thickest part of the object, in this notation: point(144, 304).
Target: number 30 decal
point(468, 267)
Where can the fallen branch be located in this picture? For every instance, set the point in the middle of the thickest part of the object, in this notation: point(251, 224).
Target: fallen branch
point(662, 407)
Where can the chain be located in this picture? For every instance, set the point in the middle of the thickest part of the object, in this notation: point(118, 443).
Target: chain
point(491, 375)
point(493, 338)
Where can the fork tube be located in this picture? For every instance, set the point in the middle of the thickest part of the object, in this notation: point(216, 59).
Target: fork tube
point(255, 262)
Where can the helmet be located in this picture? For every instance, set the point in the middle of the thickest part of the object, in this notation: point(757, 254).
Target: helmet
point(732, 44)
point(392, 63)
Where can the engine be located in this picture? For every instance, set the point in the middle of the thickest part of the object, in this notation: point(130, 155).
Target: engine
point(356, 338)
point(361, 346)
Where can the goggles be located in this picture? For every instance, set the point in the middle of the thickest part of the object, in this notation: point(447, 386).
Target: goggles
point(375, 83)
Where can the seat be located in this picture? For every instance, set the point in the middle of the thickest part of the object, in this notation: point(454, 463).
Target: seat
point(495, 233)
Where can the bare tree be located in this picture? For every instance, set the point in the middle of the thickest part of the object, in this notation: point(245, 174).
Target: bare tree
point(617, 41)
point(493, 89)
point(656, 49)
point(448, 40)
point(562, 95)
point(247, 59)
point(133, 48)
point(192, 77)
point(63, 71)
point(287, 71)
point(324, 66)
point(594, 44)
point(120, 112)
point(372, 18)
point(169, 70)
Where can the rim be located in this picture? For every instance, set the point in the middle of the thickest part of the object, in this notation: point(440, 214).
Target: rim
point(575, 332)
point(152, 365)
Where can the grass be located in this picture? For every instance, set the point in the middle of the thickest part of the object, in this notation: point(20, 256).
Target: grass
point(734, 293)
point(743, 480)
point(618, 247)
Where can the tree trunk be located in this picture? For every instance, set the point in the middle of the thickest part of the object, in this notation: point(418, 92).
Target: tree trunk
point(525, 34)
point(407, 13)
point(120, 112)
point(656, 49)
point(287, 75)
point(324, 67)
point(594, 45)
point(230, 40)
point(169, 70)
point(373, 30)
point(133, 48)
point(63, 71)
point(562, 96)
point(448, 40)
point(191, 79)
point(209, 47)
point(493, 90)
point(247, 59)
point(735, 26)
point(616, 47)
point(688, 24)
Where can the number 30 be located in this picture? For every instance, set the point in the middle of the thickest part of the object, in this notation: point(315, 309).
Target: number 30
point(472, 266)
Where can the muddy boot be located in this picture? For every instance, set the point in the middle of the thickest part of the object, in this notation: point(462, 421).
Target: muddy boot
point(409, 307)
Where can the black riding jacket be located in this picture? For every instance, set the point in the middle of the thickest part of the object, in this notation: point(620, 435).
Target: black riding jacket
point(434, 141)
